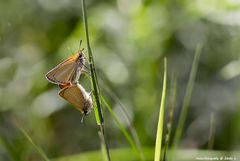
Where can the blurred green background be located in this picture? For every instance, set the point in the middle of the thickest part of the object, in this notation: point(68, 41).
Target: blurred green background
point(129, 40)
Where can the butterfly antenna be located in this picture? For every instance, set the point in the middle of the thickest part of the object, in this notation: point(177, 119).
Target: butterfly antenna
point(80, 43)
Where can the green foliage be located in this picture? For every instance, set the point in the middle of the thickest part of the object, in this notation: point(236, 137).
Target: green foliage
point(96, 91)
point(35, 146)
point(171, 110)
point(159, 135)
point(128, 42)
point(187, 97)
point(137, 150)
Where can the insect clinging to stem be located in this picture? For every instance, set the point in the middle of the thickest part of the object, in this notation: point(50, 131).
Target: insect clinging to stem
point(78, 96)
point(69, 70)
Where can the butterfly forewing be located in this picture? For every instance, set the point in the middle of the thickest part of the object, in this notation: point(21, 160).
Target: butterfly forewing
point(76, 95)
point(64, 72)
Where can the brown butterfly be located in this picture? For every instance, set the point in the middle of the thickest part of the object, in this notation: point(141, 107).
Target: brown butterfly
point(67, 71)
point(77, 96)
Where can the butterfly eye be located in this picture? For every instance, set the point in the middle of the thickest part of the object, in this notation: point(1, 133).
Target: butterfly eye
point(80, 55)
point(85, 112)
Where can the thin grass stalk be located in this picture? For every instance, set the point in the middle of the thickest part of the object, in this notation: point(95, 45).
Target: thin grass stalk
point(91, 63)
point(8, 147)
point(123, 130)
point(170, 115)
point(134, 140)
point(95, 87)
point(126, 116)
point(187, 97)
point(133, 131)
point(103, 148)
point(36, 147)
point(158, 144)
point(211, 137)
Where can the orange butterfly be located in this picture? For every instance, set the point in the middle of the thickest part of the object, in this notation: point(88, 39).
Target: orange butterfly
point(68, 71)
point(77, 96)
point(66, 75)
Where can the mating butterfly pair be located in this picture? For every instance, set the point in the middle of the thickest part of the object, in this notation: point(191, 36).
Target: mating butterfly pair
point(66, 75)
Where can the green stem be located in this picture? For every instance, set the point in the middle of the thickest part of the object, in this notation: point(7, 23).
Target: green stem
point(187, 98)
point(96, 92)
point(124, 131)
point(211, 132)
point(158, 144)
point(91, 62)
point(37, 148)
point(172, 102)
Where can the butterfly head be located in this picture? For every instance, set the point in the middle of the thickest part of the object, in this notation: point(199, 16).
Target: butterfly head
point(81, 57)
point(87, 111)
point(88, 106)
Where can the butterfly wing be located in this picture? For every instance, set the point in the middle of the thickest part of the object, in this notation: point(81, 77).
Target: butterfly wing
point(64, 72)
point(74, 95)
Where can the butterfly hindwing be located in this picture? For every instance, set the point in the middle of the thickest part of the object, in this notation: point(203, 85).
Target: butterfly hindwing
point(74, 95)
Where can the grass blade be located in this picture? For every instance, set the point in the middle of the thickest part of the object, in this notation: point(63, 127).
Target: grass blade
point(211, 132)
point(36, 147)
point(95, 88)
point(9, 148)
point(123, 130)
point(103, 146)
point(158, 144)
point(132, 129)
point(170, 115)
point(187, 97)
point(99, 116)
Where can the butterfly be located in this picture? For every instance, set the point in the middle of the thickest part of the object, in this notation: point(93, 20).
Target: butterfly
point(77, 96)
point(69, 70)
